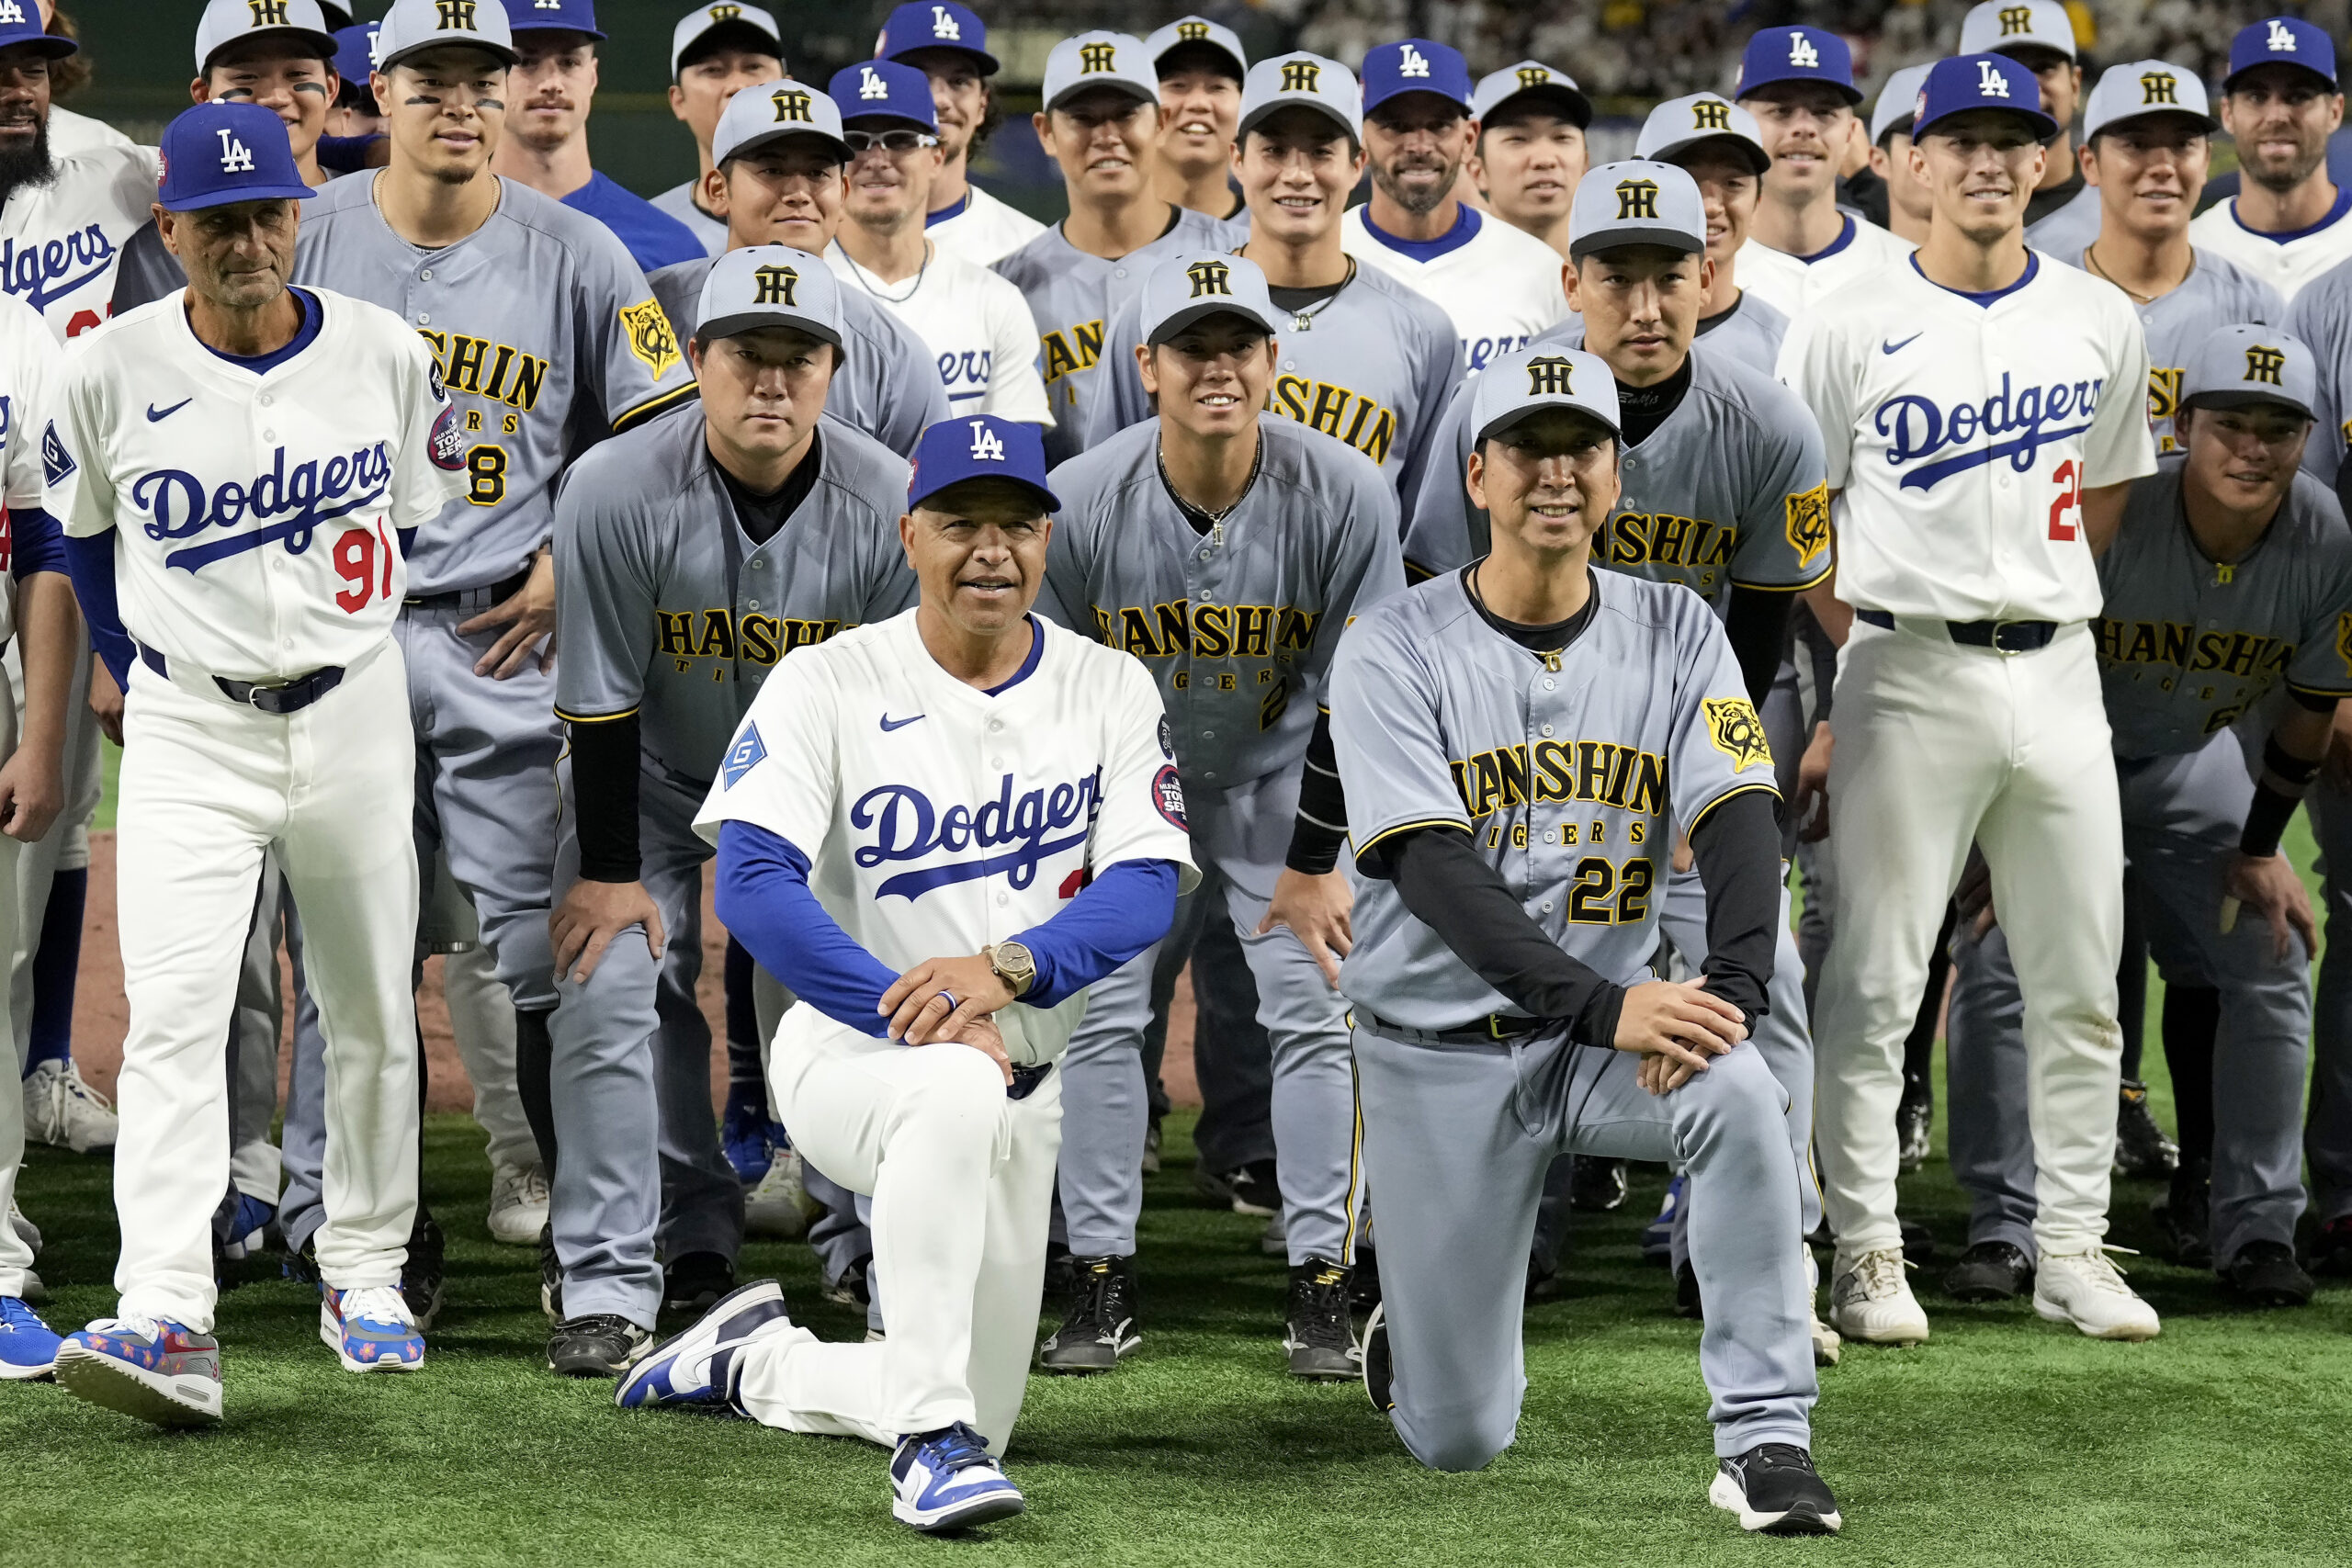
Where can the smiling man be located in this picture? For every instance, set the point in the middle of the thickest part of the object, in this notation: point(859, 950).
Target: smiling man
point(1718, 145)
point(2281, 103)
point(1201, 69)
point(949, 43)
point(715, 51)
point(2040, 36)
point(1531, 150)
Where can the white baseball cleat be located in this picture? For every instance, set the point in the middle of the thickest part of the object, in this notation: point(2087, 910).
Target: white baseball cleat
point(779, 1206)
point(2087, 1289)
point(27, 1232)
point(518, 1204)
point(64, 1112)
point(1870, 1299)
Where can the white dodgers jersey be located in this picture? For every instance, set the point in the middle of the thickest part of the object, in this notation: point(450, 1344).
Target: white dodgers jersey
point(981, 229)
point(2286, 262)
point(30, 362)
point(1500, 286)
point(938, 818)
point(257, 518)
point(61, 243)
point(976, 324)
point(1963, 430)
point(1792, 283)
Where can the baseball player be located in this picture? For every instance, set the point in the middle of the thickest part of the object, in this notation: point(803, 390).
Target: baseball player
point(792, 533)
point(1799, 84)
point(1201, 67)
point(1973, 380)
point(964, 778)
point(976, 324)
point(1718, 145)
point(949, 43)
point(780, 178)
point(1521, 741)
point(2228, 593)
point(2040, 36)
point(1366, 359)
point(552, 82)
point(1266, 541)
point(715, 51)
point(1101, 115)
point(2280, 103)
point(1531, 150)
point(1909, 203)
point(1499, 285)
point(354, 115)
point(256, 721)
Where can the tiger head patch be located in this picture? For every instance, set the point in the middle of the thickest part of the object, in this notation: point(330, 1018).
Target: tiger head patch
point(1737, 733)
point(2343, 641)
point(1809, 523)
point(650, 337)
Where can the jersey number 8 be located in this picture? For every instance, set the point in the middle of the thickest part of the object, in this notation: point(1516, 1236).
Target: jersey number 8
point(486, 474)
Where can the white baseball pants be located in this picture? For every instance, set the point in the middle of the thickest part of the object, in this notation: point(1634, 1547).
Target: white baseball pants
point(1937, 744)
point(208, 786)
point(16, 1257)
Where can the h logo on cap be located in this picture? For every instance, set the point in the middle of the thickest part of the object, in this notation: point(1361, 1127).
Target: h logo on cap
point(1709, 114)
point(1636, 198)
point(236, 158)
point(1990, 83)
point(268, 13)
point(2159, 87)
point(457, 14)
point(2264, 364)
point(1192, 32)
point(870, 85)
point(986, 447)
point(943, 24)
point(2280, 41)
point(724, 13)
point(776, 287)
point(1210, 277)
point(1414, 63)
point(1800, 50)
point(1093, 57)
point(1548, 378)
point(1533, 76)
point(2015, 19)
point(1301, 77)
point(792, 106)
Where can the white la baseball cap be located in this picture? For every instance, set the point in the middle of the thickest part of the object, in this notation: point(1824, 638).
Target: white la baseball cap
point(1309, 81)
point(414, 25)
point(704, 20)
point(1117, 61)
point(1898, 101)
point(1530, 380)
point(773, 111)
point(1679, 124)
point(225, 22)
point(2003, 27)
point(2144, 89)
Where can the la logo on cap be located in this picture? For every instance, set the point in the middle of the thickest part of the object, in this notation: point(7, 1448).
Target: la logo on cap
point(2264, 364)
point(1549, 377)
point(1093, 57)
point(2015, 19)
point(792, 106)
point(986, 447)
point(1802, 52)
point(2281, 41)
point(1210, 277)
point(11, 12)
point(1708, 114)
point(1301, 77)
point(1414, 63)
point(870, 86)
point(1990, 83)
point(2159, 87)
point(456, 14)
point(775, 285)
point(236, 158)
point(1636, 198)
point(943, 24)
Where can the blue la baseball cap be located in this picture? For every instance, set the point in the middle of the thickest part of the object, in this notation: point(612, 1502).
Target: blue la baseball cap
point(935, 23)
point(20, 24)
point(553, 16)
point(771, 286)
point(1797, 55)
point(217, 154)
point(2238, 366)
point(980, 446)
point(1968, 81)
point(1415, 65)
point(883, 89)
point(355, 52)
point(2281, 41)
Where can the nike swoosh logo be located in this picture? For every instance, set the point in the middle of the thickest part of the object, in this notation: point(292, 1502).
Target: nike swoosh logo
point(1893, 347)
point(890, 724)
point(154, 413)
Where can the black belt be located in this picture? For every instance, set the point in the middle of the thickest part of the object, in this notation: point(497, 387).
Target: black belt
point(287, 696)
point(455, 600)
point(2001, 636)
point(1493, 1027)
point(1025, 1081)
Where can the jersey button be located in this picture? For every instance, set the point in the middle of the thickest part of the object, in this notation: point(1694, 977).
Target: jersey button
point(425, 277)
point(1208, 734)
point(424, 318)
point(1547, 729)
point(266, 399)
point(1550, 684)
point(757, 562)
point(1547, 906)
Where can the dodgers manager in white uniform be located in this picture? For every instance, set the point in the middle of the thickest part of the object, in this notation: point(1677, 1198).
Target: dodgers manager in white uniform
point(961, 779)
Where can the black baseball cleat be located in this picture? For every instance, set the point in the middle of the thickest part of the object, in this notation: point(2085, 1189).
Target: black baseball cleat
point(1363, 1284)
point(2267, 1274)
point(851, 1289)
point(1915, 1115)
point(550, 1277)
point(1773, 1489)
point(1099, 1325)
point(600, 1346)
point(1990, 1271)
point(2140, 1147)
point(1319, 1336)
point(1379, 1372)
point(1254, 1191)
point(420, 1276)
point(694, 1281)
point(1596, 1185)
point(2332, 1248)
point(2185, 1215)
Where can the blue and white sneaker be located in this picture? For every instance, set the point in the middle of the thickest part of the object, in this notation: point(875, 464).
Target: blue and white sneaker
point(1657, 1237)
point(158, 1371)
point(697, 1367)
point(371, 1329)
point(947, 1480)
point(744, 1134)
point(27, 1348)
point(248, 1227)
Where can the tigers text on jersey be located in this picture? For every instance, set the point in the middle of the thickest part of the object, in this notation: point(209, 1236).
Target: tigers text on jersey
point(1072, 295)
point(2321, 318)
point(1238, 626)
point(1572, 773)
point(258, 519)
point(939, 818)
point(2216, 293)
point(666, 609)
point(1794, 285)
point(2187, 646)
point(886, 384)
point(2286, 262)
point(60, 243)
point(981, 229)
point(977, 326)
point(1726, 492)
point(678, 201)
point(546, 335)
point(1375, 369)
point(30, 369)
point(1499, 285)
point(1963, 430)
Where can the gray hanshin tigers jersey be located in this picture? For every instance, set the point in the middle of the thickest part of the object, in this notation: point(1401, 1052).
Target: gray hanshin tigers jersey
point(1072, 294)
point(544, 332)
point(2188, 645)
point(887, 384)
point(1572, 773)
point(1728, 493)
point(1374, 369)
point(1238, 625)
point(2216, 293)
point(667, 609)
point(2321, 318)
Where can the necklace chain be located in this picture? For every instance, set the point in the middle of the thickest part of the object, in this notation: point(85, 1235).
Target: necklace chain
point(874, 289)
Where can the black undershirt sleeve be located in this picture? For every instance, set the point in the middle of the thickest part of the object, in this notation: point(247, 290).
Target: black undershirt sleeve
point(1451, 890)
point(1322, 822)
point(1757, 622)
point(604, 796)
point(1737, 848)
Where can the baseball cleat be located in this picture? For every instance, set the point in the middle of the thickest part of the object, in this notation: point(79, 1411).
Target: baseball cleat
point(422, 1277)
point(27, 1346)
point(1379, 1372)
point(1989, 1271)
point(695, 1282)
point(1255, 1190)
point(1775, 1491)
point(1657, 1237)
point(2087, 1289)
point(780, 1207)
point(1915, 1115)
point(851, 1289)
point(64, 1112)
point(249, 1224)
point(27, 1232)
point(1596, 1185)
point(1319, 1337)
point(743, 1138)
point(947, 1480)
point(698, 1367)
point(1829, 1348)
point(601, 1344)
point(371, 1330)
point(518, 1204)
point(157, 1371)
point(1686, 1294)
point(1100, 1326)
point(2267, 1274)
point(2185, 1214)
point(2140, 1147)
point(1871, 1300)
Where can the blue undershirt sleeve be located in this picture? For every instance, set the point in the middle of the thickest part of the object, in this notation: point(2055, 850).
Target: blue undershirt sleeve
point(764, 901)
point(1114, 917)
point(36, 543)
point(89, 560)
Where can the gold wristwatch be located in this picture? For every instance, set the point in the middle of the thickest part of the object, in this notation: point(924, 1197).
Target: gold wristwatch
point(1013, 965)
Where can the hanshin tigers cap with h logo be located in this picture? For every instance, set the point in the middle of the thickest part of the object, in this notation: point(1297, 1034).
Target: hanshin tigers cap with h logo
point(1637, 202)
point(1530, 380)
point(1197, 33)
point(2000, 26)
point(773, 111)
point(2238, 367)
point(1116, 60)
point(738, 24)
point(2144, 89)
point(1535, 81)
point(414, 25)
point(771, 286)
point(1679, 124)
point(1182, 289)
point(225, 22)
point(1306, 80)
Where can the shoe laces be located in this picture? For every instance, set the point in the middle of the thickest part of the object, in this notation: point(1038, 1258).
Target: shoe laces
point(2097, 1269)
point(1102, 1293)
point(1880, 1273)
point(78, 1087)
point(15, 1313)
point(1318, 1304)
point(379, 1303)
point(131, 1325)
point(956, 1447)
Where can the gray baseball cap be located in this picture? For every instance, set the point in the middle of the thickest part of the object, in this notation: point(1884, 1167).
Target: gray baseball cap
point(2002, 27)
point(1637, 202)
point(1529, 380)
point(1535, 80)
point(704, 20)
point(1898, 102)
point(1309, 81)
point(771, 112)
point(771, 286)
point(1119, 61)
point(1183, 288)
point(2142, 89)
point(1679, 124)
point(414, 25)
point(225, 22)
point(1197, 30)
point(2242, 365)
